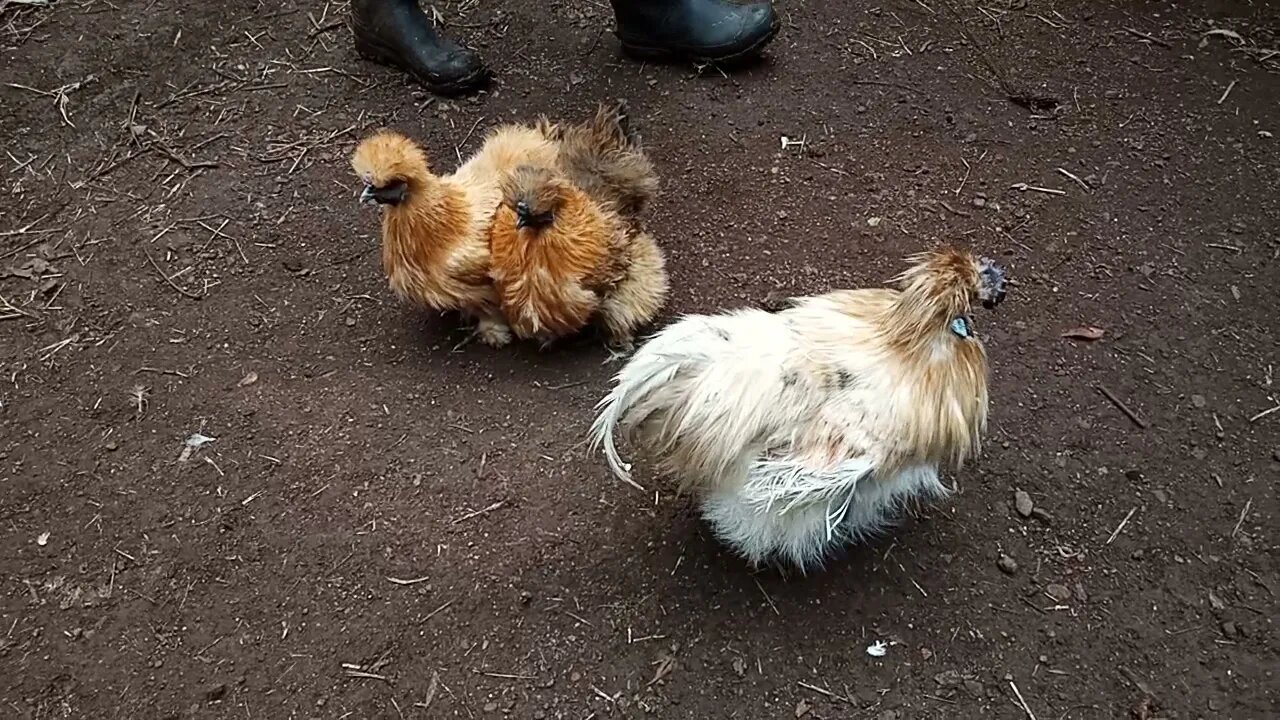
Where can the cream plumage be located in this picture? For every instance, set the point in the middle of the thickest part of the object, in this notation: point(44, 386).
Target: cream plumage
point(802, 430)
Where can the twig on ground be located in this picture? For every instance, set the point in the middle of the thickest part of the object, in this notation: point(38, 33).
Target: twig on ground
point(1024, 187)
point(1243, 513)
point(1263, 414)
point(181, 290)
point(1226, 92)
point(1025, 707)
point(1125, 521)
point(477, 513)
point(414, 581)
point(1137, 419)
point(767, 598)
point(1076, 179)
point(1148, 38)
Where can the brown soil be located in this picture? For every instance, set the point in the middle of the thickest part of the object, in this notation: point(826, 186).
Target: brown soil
point(384, 528)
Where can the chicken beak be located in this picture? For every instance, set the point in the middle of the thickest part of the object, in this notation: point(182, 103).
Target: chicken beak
point(367, 196)
point(522, 215)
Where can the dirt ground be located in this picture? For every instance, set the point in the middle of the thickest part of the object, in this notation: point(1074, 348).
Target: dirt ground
point(383, 528)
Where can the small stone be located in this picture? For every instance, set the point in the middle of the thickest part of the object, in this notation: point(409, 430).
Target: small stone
point(1133, 475)
point(973, 687)
point(526, 597)
point(971, 137)
point(490, 707)
point(1199, 401)
point(926, 654)
point(802, 708)
point(1229, 630)
point(1275, 454)
point(1022, 503)
point(1007, 565)
point(351, 322)
point(214, 693)
point(1059, 593)
point(112, 446)
point(979, 202)
point(1042, 515)
point(1161, 496)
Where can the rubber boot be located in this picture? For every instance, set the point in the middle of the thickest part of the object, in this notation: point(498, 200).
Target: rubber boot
point(399, 34)
point(698, 30)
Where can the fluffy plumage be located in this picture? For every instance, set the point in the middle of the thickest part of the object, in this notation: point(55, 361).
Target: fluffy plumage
point(804, 429)
point(567, 247)
point(435, 229)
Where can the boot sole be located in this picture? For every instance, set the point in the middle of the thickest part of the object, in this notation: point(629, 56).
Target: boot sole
point(649, 52)
point(459, 86)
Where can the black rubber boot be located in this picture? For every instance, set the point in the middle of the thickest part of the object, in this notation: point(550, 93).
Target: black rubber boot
point(399, 34)
point(699, 30)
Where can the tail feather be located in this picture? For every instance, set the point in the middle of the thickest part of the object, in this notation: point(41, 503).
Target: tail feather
point(699, 425)
point(635, 382)
point(603, 157)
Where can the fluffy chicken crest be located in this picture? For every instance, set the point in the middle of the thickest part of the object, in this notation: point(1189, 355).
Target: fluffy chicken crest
point(387, 160)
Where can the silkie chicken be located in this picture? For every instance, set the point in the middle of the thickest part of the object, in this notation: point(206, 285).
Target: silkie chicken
point(567, 247)
point(435, 229)
point(803, 430)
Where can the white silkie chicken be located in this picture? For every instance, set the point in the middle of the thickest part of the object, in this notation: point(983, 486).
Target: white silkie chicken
point(802, 430)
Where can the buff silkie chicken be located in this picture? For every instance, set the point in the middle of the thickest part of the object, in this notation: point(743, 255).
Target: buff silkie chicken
point(803, 430)
point(567, 248)
point(435, 228)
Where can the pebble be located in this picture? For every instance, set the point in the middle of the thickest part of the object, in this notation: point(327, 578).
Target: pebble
point(979, 202)
point(1022, 503)
point(1007, 565)
point(215, 693)
point(1059, 593)
point(1275, 455)
point(1198, 400)
point(111, 446)
point(1042, 515)
point(1230, 631)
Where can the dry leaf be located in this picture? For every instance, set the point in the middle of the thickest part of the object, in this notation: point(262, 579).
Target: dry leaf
point(1085, 332)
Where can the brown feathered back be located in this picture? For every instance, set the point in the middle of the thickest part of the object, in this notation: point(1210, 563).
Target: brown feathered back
point(603, 158)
